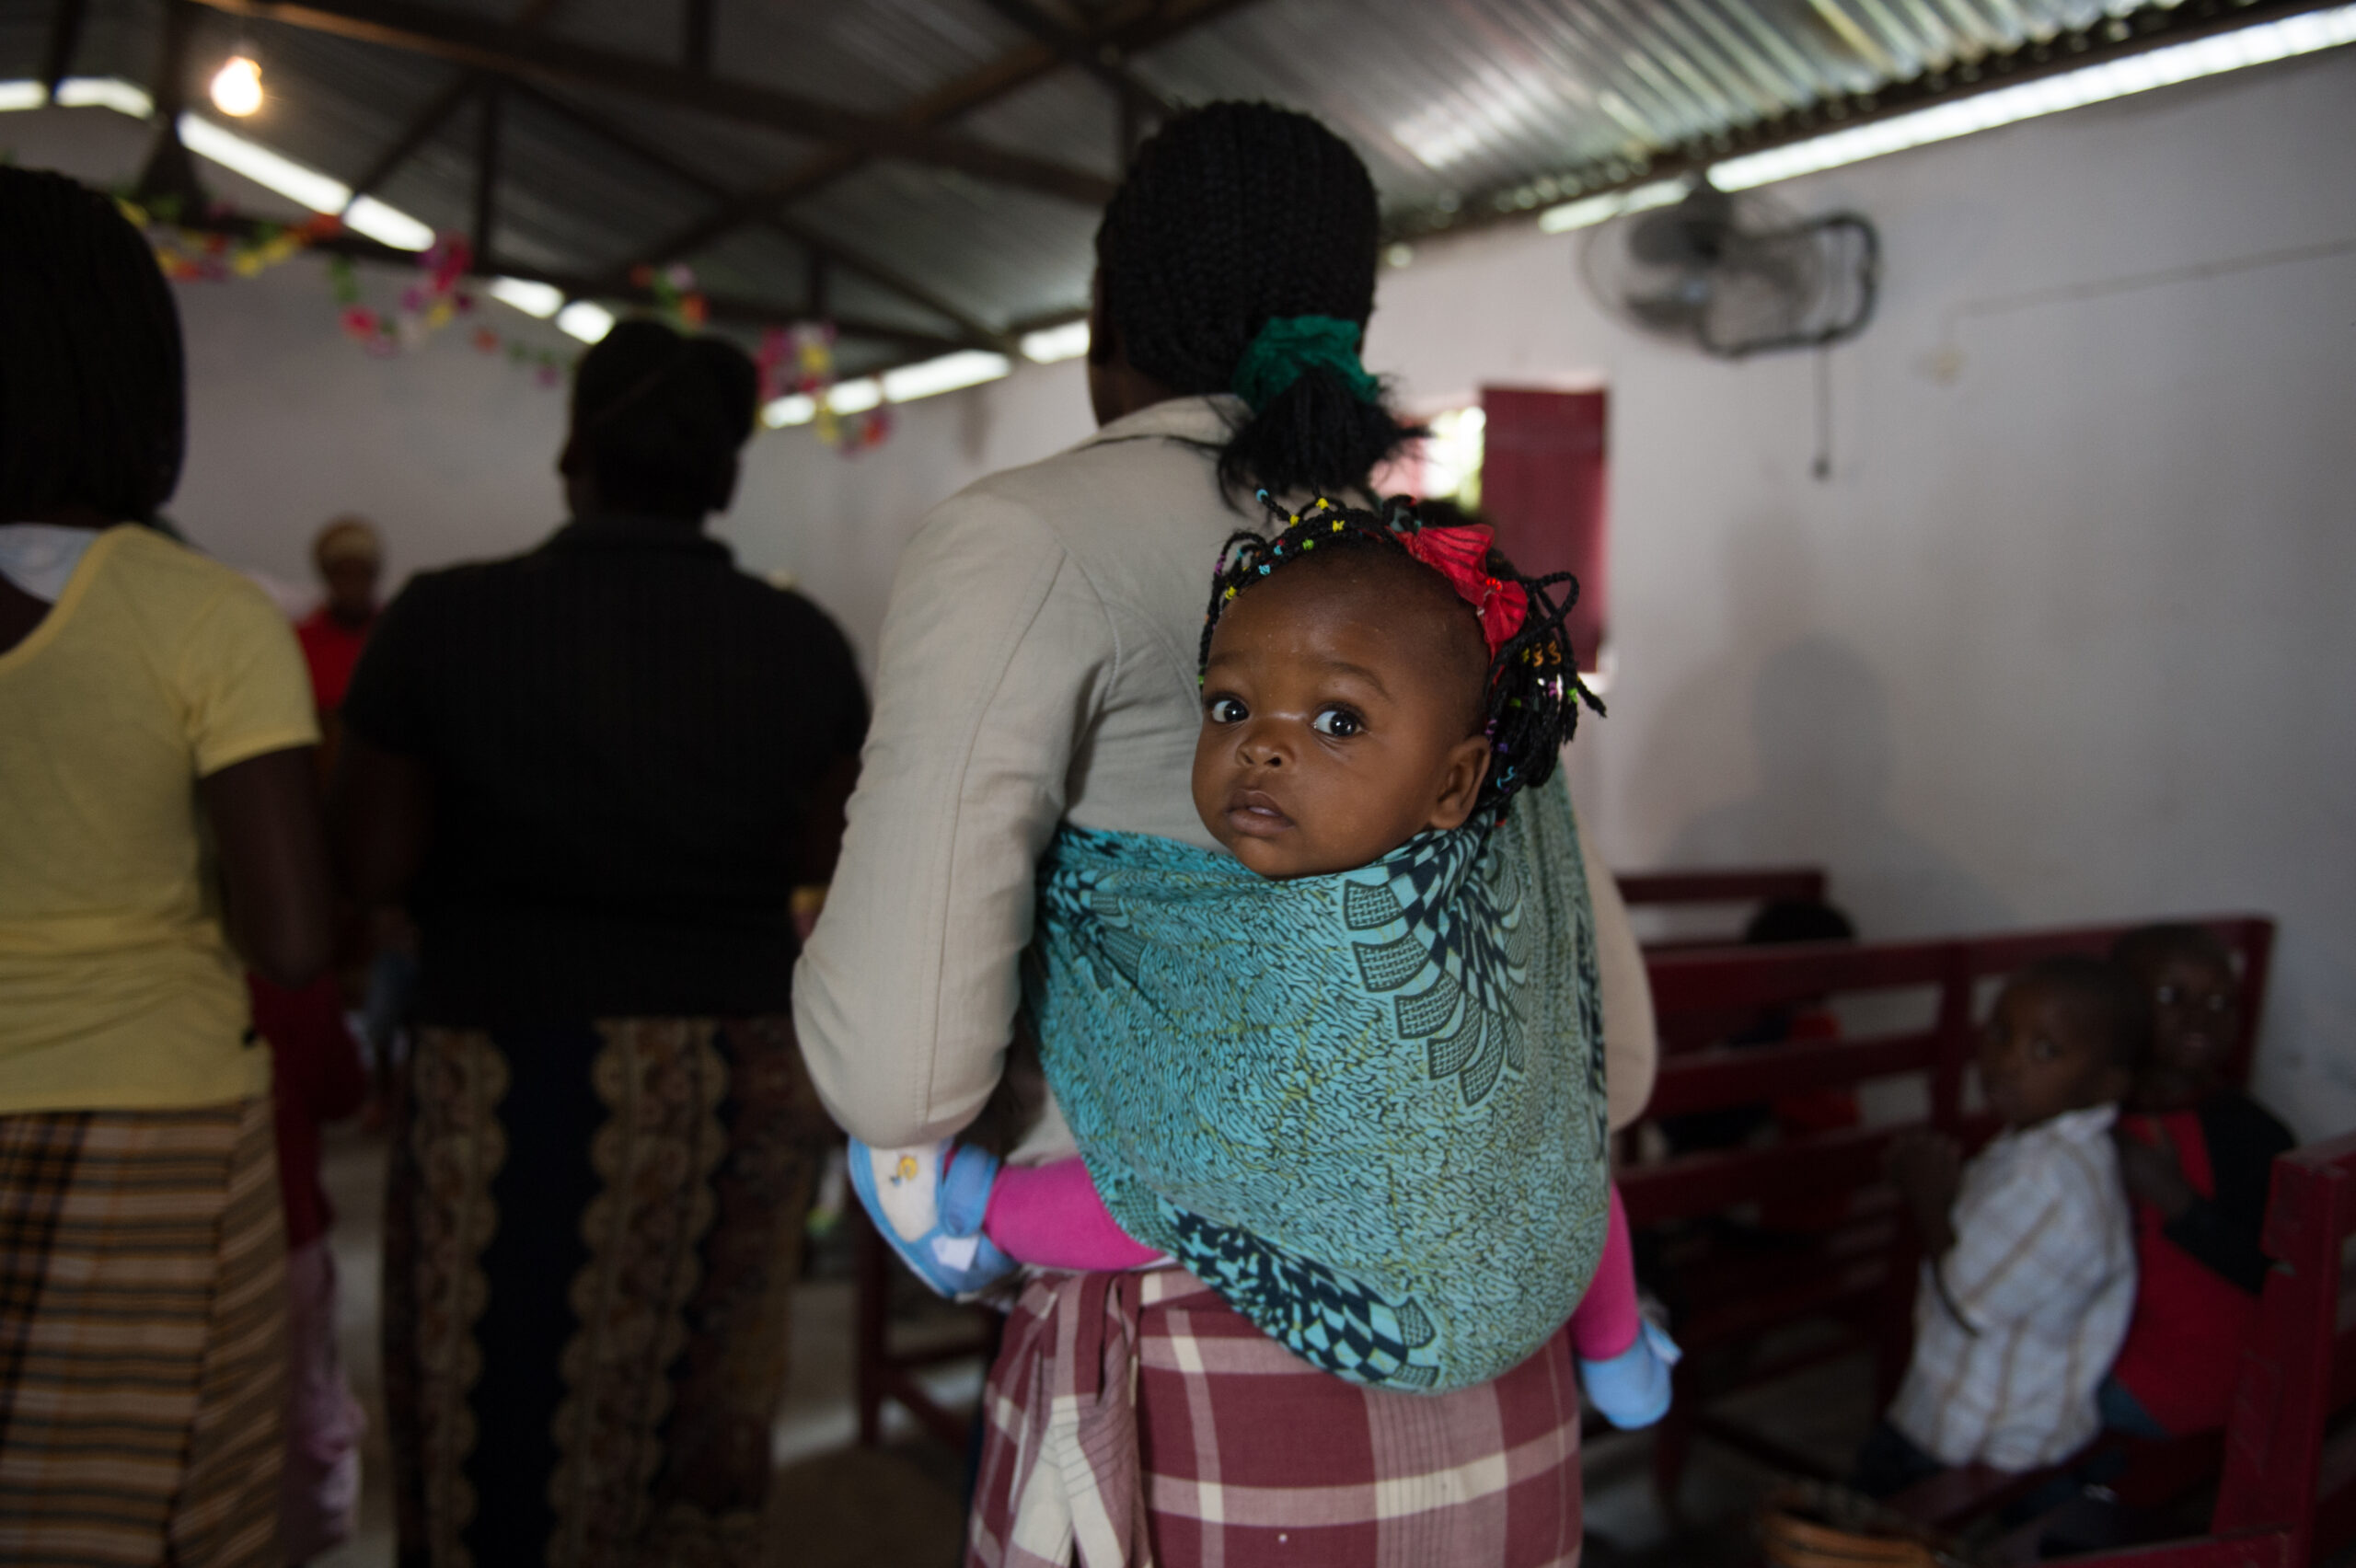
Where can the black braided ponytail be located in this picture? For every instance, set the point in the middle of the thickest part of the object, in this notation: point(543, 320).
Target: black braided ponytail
point(93, 385)
point(1530, 701)
point(1234, 214)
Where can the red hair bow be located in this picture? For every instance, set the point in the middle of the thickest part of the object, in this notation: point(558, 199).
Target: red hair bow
point(1461, 555)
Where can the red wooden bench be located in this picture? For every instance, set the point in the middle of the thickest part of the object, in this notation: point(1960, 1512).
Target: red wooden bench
point(1732, 886)
point(886, 1373)
point(1858, 1274)
point(2288, 1495)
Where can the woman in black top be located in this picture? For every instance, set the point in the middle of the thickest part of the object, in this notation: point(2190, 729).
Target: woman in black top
point(594, 773)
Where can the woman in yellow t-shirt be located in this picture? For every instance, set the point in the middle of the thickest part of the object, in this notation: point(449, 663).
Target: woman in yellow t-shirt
point(158, 832)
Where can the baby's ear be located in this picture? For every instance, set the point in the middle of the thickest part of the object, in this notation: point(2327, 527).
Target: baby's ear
point(1459, 785)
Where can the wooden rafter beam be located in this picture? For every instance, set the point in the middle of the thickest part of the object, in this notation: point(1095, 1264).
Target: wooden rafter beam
point(696, 19)
point(169, 176)
point(736, 310)
point(422, 128)
point(505, 50)
point(1101, 61)
point(438, 110)
point(65, 33)
point(488, 108)
point(849, 261)
point(731, 310)
point(1131, 28)
point(169, 92)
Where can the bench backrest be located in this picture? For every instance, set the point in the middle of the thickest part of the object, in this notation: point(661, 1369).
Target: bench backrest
point(1687, 892)
point(2288, 1496)
point(1702, 997)
point(2299, 1368)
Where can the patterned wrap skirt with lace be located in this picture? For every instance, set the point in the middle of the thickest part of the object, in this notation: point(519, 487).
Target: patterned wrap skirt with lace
point(591, 1239)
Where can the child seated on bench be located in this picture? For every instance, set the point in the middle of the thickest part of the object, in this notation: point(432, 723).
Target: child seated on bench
point(2028, 1259)
point(2197, 1154)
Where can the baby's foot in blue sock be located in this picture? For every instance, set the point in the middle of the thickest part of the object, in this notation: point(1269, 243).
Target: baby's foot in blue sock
point(1632, 1387)
point(931, 1218)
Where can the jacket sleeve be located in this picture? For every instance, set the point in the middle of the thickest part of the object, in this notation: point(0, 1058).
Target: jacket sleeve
point(1631, 1046)
point(995, 653)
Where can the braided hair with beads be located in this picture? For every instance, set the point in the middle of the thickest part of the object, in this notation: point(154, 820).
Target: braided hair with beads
point(93, 396)
point(1532, 696)
point(1235, 217)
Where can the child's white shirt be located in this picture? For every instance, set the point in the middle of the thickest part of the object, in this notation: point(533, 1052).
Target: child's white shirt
point(2015, 1327)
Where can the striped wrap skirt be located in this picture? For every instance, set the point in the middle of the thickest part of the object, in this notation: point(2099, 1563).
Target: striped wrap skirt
point(143, 1337)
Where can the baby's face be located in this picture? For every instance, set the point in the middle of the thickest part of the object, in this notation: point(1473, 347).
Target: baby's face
point(1334, 721)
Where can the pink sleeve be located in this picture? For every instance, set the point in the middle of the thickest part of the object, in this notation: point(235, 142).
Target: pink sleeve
point(1050, 1215)
point(1605, 1323)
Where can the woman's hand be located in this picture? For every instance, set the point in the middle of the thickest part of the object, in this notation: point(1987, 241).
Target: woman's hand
point(1927, 1168)
point(2153, 1175)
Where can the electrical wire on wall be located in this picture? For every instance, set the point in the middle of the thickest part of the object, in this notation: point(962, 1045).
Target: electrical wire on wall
point(1822, 467)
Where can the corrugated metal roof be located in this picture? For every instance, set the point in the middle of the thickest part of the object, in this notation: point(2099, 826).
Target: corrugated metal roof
point(1458, 106)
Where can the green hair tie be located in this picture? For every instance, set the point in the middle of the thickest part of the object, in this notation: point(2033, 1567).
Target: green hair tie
point(1290, 344)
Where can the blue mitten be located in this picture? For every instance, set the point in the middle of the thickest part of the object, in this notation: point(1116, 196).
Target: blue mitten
point(933, 1222)
point(1632, 1387)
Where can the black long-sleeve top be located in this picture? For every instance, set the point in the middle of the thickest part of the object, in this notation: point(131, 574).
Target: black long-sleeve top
point(2223, 1231)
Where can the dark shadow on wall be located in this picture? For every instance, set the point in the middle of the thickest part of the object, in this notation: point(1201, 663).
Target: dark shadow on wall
point(1820, 723)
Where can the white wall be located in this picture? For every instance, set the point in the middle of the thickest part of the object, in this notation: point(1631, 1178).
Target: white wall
point(2063, 637)
point(452, 452)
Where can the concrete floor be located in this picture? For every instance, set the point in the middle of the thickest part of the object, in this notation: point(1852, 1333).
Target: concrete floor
point(835, 1505)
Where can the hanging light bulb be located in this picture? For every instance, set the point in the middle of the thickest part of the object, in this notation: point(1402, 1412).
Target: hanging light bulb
point(237, 87)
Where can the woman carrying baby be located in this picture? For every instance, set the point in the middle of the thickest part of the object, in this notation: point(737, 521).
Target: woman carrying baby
point(1039, 671)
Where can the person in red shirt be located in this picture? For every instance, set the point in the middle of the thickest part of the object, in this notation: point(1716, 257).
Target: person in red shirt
point(2197, 1154)
point(317, 1077)
point(351, 557)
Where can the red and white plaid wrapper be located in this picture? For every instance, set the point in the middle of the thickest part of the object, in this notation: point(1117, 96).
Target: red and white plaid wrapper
point(1136, 1419)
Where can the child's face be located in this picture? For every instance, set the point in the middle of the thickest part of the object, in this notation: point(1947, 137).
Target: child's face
point(1334, 721)
point(2041, 1056)
point(2196, 1017)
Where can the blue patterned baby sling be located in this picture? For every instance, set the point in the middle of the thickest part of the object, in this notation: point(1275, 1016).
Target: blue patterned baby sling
point(1367, 1109)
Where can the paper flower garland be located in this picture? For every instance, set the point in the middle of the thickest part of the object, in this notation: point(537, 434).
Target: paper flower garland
point(676, 299)
point(436, 299)
point(189, 255)
point(801, 359)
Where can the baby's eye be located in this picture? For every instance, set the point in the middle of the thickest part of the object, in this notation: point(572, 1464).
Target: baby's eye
point(2167, 995)
point(1338, 722)
point(2044, 1050)
point(1226, 710)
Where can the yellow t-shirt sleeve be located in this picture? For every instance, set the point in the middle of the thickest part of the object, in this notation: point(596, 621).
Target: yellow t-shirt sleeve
point(243, 683)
